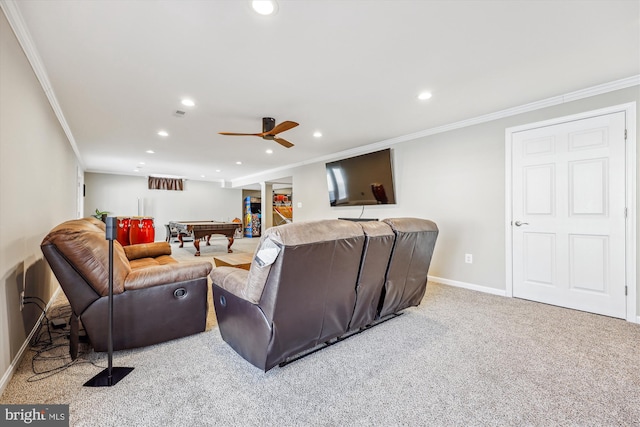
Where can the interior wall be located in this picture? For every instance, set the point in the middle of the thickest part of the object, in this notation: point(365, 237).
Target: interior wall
point(38, 175)
point(121, 195)
point(457, 179)
point(251, 193)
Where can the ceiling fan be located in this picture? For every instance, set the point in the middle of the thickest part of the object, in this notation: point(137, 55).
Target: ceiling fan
point(269, 131)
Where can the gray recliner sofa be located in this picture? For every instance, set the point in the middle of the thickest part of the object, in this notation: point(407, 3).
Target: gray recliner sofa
point(314, 282)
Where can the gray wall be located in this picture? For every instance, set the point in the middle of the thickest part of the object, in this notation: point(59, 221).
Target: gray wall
point(457, 179)
point(38, 171)
point(200, 200)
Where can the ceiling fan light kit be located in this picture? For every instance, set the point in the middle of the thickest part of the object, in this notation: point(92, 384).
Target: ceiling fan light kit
point(269, 131)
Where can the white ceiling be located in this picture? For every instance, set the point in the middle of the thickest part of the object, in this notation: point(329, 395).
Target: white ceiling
point(350, 69)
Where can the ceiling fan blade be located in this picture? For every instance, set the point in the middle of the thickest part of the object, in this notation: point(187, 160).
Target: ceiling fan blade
point(282, 127)
point(240, 134)
point(283, 142)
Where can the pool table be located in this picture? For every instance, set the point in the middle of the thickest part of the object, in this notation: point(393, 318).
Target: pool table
point(200, 229)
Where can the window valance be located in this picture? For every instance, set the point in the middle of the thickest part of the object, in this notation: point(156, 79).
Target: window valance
point(157, 183)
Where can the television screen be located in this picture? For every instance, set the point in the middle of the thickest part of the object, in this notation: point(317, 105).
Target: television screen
point(361, 180)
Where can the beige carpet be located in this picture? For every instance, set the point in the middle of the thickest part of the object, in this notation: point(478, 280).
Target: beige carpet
point(462, 358)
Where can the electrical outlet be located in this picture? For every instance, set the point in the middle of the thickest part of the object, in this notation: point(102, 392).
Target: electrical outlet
point(468, 258)
point(21, 300)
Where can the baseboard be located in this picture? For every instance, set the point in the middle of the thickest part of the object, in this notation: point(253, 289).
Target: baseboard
point(470, 286)
point(480, 288)
point(16, 360)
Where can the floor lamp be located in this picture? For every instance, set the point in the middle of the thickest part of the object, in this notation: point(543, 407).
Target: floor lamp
point(110, 376)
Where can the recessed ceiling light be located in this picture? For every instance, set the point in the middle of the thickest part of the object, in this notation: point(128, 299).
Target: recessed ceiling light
point(163, 133)
point(424, 95)
point(141, 163)
point(188, 102)
point(218, 170)
point(150, 151)
point(238, 163)
point(202, 176)
point(264, 7)
point(136, 170)
point(269, 151)
point(317, 134)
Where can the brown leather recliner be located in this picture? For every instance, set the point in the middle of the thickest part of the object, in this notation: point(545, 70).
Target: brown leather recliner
point(313, 282)
point(155, 298)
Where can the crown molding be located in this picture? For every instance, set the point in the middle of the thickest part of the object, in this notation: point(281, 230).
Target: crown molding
point(16, 21)
point(536, 105)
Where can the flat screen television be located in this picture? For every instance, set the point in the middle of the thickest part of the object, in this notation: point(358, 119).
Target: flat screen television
point(361, 180)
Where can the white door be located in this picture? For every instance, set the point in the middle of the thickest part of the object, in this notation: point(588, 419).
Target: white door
point(568, 211)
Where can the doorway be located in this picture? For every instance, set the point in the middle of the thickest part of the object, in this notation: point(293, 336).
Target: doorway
point(570, 232)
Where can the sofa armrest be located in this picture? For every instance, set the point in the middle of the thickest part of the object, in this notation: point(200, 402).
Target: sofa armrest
point(163, 274)
point(233, 280)
point(147, 250)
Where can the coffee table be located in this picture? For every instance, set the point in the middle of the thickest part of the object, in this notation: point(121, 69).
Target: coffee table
point(242, 260)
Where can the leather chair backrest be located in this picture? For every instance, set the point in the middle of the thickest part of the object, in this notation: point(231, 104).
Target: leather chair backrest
point(75, 287)
point(407, 274)
point(309, 290)
point(83, 245)
point(379, 238)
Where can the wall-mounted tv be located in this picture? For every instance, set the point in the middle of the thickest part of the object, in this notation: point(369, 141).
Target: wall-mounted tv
point(361, 180)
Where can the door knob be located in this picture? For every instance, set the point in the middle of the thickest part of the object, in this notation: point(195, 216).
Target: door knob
point(518, 223)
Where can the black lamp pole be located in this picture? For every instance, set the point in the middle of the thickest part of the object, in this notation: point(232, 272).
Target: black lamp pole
point(110, 376)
